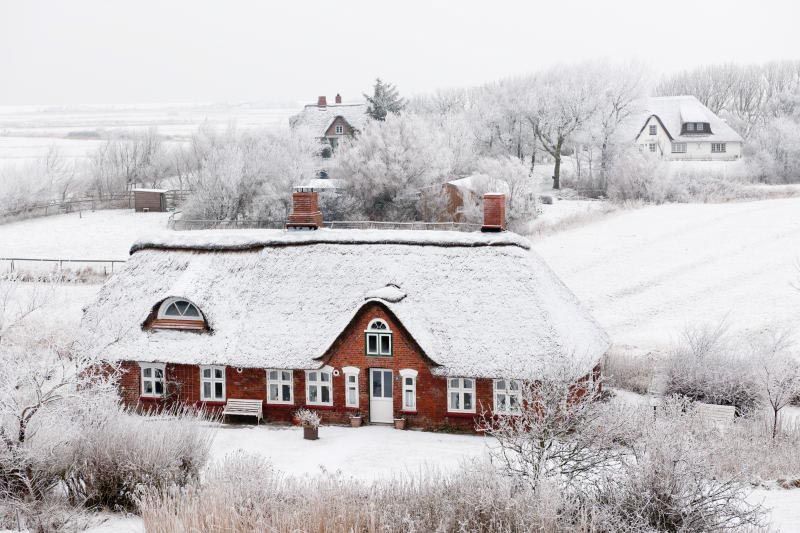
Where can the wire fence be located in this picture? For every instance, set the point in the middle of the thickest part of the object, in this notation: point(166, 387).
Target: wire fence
point(37, 268)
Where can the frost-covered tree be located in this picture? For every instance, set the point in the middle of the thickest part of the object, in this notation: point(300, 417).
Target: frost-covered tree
point(248, 176)
point(777, 372)
point(385, 100)
point(389, 164)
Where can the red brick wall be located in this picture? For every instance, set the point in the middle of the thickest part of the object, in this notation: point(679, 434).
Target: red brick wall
point(183, 381)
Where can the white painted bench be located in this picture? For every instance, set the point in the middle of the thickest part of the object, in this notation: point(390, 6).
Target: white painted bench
point(244, 408)
point(718, 414)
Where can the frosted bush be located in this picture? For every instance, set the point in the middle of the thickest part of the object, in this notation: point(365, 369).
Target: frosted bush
point(308, 418)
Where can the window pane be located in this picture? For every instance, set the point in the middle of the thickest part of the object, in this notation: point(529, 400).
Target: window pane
point(273, 393)
point(312, 376)
point(273, 375)
point(514, 385)
point(147, 372)
point(159, 373)
point(387, 384)
point(287, 376)
point(287, 393)
point(351, 378)
point(408, 402)
point(454, 401)
point(467, 400)
point(325, 376)
point(218, 390)
point(409, 381)
point(351, 396)
point(172, 311)
point(501, 402)
point(467, 383)
point(181, 307)
point(376, 385)
point(313, 394)
point(191, 311)
point(326, 394)
point(501, 385)
point(454, 383)
point(206, 372)
point(513, 403)
point(385, 343)
point(148, 387)
point(218, 373)
point(206, 390)
point(159, 388)
point(372, 344)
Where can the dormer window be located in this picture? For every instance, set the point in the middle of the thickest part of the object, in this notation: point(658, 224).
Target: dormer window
point(339, 129)
point(179, 313)
point(378, 339)
point(690, 126)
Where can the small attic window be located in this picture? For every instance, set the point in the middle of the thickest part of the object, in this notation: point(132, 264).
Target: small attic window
point(378, 341)
point(339, 129)
point(179, 313)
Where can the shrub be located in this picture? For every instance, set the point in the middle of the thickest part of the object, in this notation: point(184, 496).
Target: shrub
point(628, 371)
point(308, 417)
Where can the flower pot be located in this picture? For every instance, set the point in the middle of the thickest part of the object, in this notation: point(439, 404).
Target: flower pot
point(355, 421)
point(399, 423)
point(310, 433)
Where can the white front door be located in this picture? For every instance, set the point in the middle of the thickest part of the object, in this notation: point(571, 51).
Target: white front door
point(381, 407)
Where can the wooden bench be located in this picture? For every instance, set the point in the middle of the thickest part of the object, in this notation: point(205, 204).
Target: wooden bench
point(718, 414)
point(244, 408)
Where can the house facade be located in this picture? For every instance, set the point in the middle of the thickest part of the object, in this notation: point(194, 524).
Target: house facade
point(680, 128)
point(436, 327)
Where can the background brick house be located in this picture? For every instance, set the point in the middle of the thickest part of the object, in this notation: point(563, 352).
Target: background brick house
point(432, 326)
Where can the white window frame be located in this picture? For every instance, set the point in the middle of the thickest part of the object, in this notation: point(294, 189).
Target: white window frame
point(652, 147)
point(457, 386)
point(508, 393)
point(719, 148)
point(351, 372)
point(379, 334)
point(319, 383)
point(339, 129)
point(690, 126)
point(679, 148)
point(406, 374)
point(653, 129)
point(213, 380)
point(169, 301)
point(280, 382)
point(153, 367)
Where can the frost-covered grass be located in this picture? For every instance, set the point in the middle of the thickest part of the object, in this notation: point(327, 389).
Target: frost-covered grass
point(648, 272)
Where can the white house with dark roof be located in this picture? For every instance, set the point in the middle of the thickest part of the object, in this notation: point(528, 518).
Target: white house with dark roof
point(681, 128)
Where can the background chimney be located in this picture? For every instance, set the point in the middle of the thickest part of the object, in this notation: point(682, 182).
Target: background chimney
point(494, 212)
point(338, 98)
point(322, 101)
point(305, 211)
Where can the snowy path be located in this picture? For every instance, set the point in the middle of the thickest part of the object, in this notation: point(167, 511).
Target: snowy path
point(646, 273)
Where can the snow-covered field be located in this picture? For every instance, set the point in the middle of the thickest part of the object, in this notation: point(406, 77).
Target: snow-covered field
point(28, 132)
point(646, 273)
point(104, 234)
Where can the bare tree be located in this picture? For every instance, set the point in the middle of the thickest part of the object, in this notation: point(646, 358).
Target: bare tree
point(778, 373)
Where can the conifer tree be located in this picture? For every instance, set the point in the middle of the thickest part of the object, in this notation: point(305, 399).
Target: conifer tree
point(384, 100)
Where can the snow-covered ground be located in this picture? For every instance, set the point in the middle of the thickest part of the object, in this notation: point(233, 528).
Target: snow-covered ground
point(105, 234)
point(646, 273)
point(28, 132)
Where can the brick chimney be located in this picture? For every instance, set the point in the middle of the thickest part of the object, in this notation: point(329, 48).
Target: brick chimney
point(494, 212)
point(305, 211)
point(338, 98)
point(322, 101)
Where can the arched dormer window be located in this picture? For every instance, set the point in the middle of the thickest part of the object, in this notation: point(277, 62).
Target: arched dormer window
point(378, 339)
point(179, 313)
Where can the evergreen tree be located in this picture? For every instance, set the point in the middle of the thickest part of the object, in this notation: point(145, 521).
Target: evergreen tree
point(384, 100)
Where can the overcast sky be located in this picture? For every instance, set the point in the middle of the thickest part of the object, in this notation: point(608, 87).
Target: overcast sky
point(132, 51)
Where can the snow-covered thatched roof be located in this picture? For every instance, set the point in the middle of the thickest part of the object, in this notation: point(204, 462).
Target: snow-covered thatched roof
point(674, 111)
point(318, 119)
point(478, 305)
